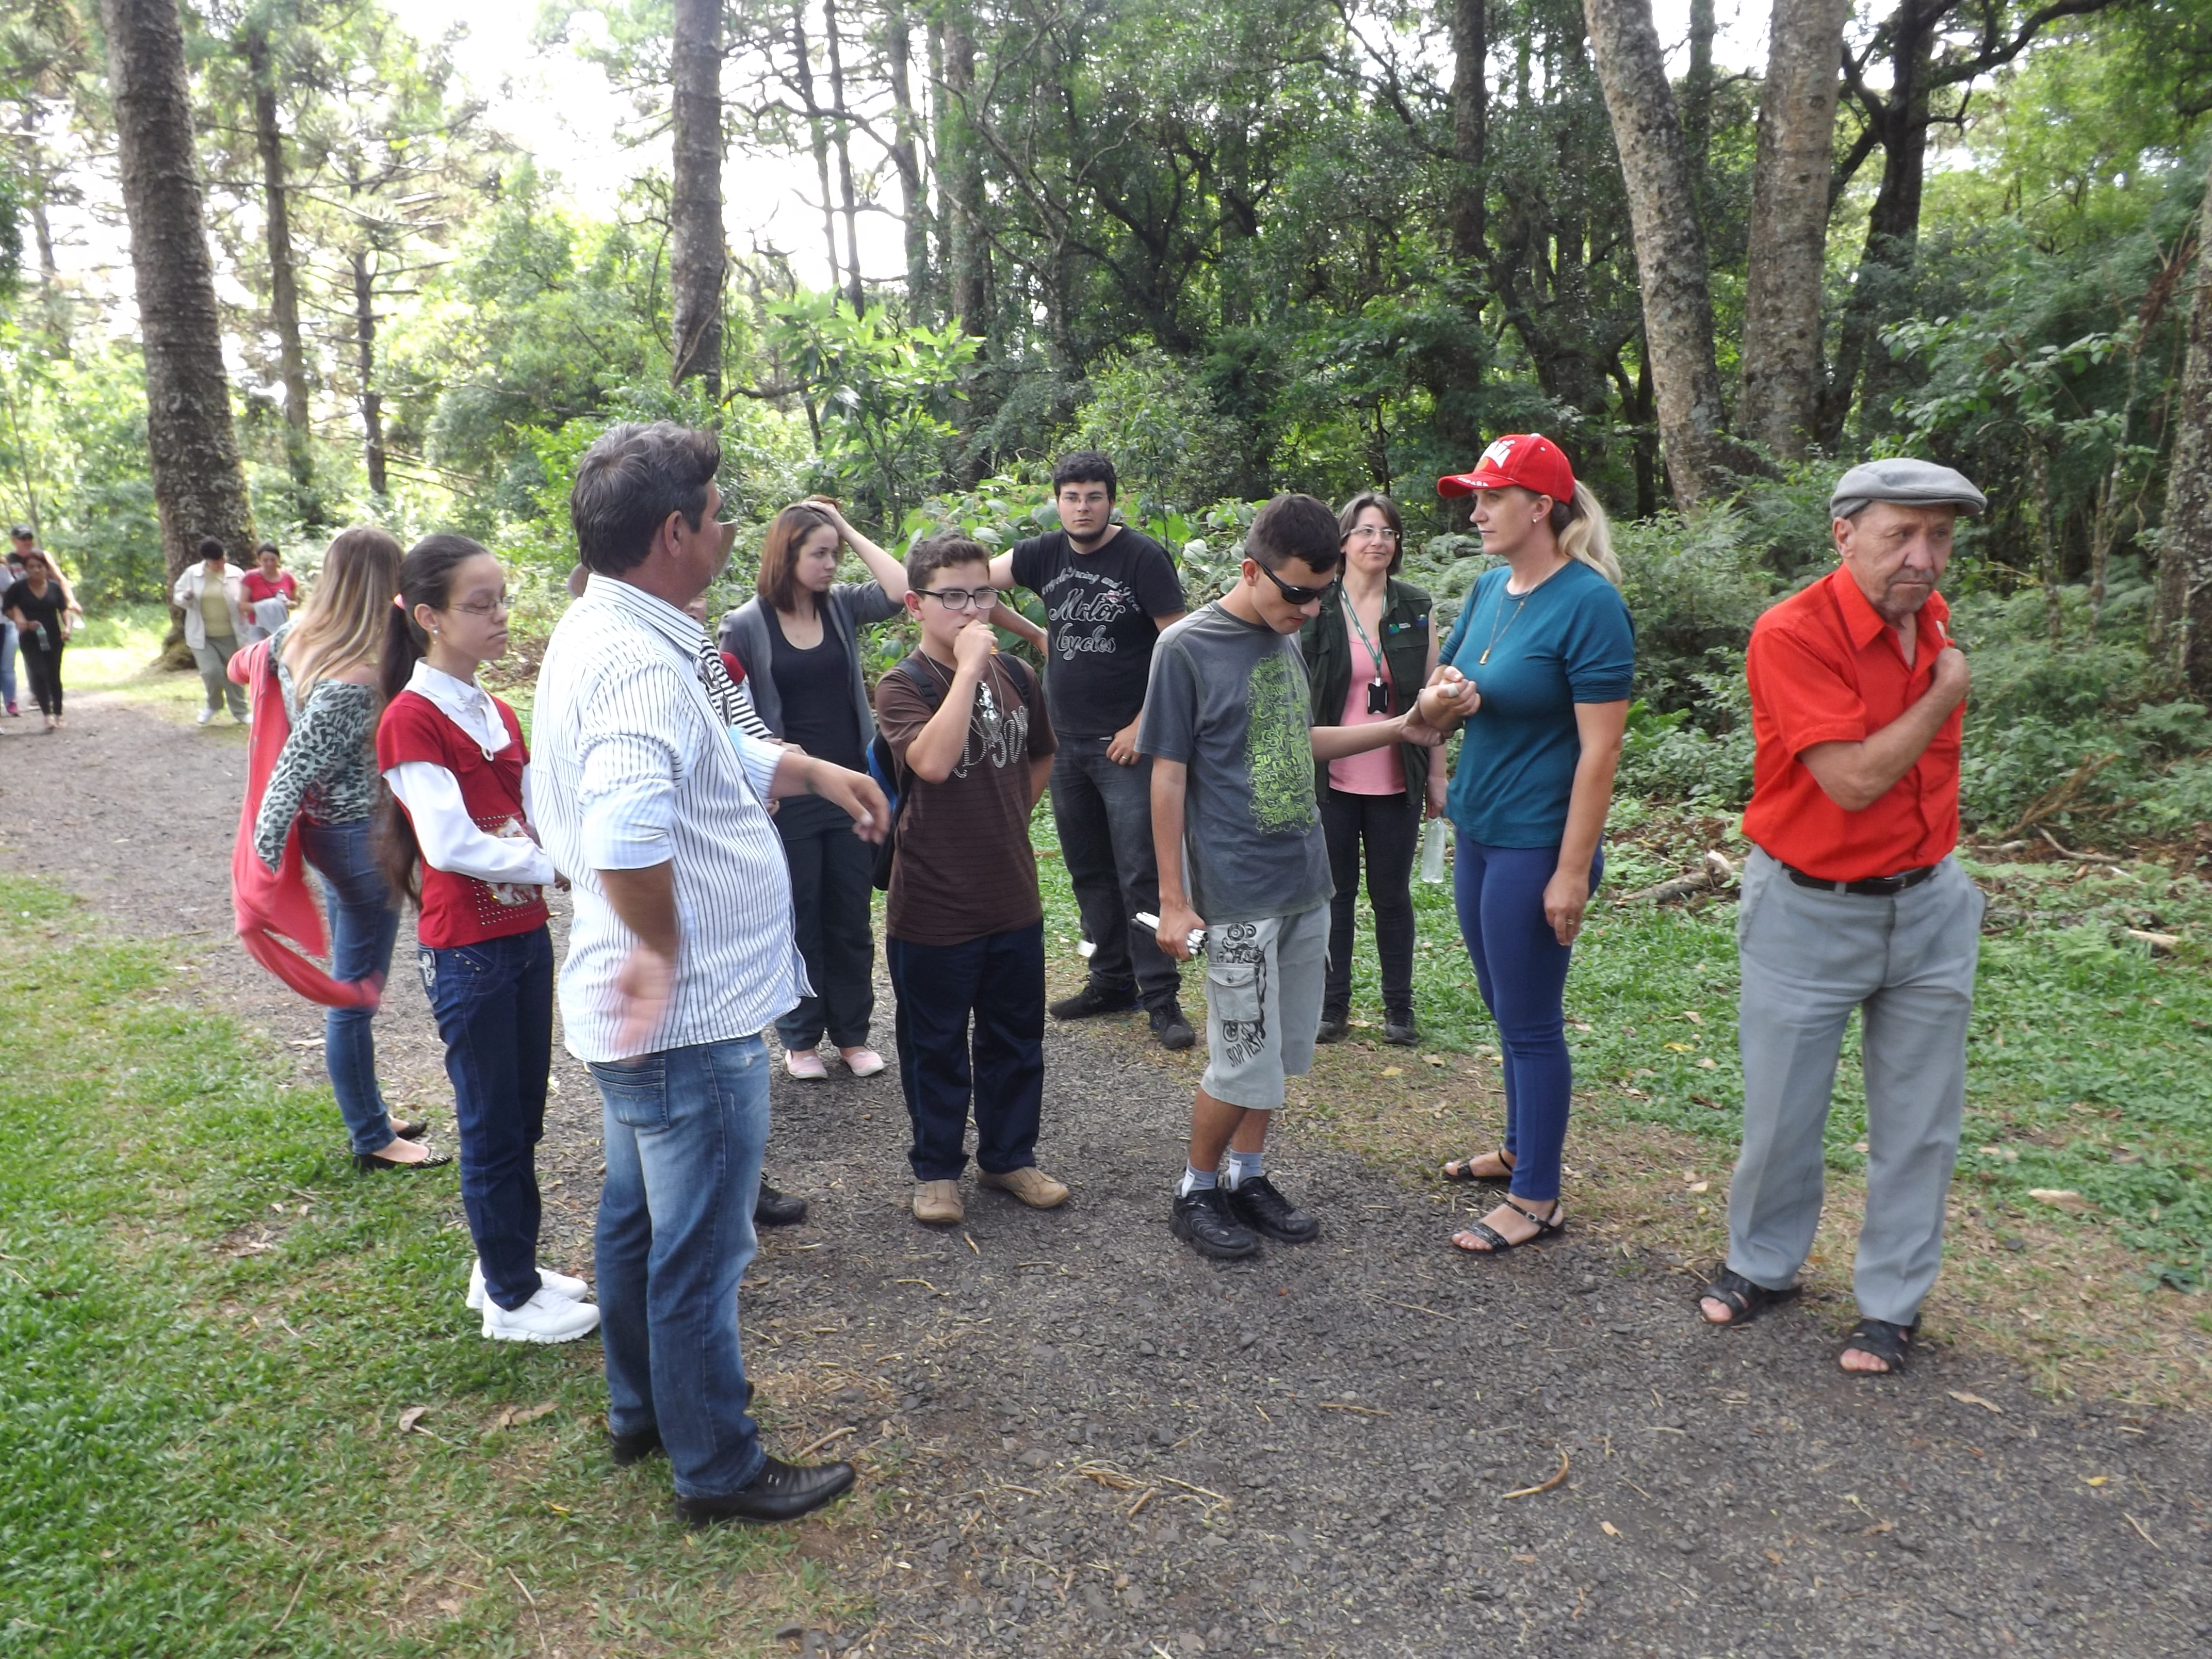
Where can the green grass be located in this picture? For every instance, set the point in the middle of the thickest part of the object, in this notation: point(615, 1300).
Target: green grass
point(208, 1328)
point(2085, 1065)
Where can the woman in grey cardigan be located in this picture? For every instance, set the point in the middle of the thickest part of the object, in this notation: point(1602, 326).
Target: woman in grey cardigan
point(800, 643)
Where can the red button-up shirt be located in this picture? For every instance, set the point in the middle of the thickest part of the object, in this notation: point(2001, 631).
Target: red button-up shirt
point(1825, 668)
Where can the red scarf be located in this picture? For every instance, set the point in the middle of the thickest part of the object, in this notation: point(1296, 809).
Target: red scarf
point(274, 905)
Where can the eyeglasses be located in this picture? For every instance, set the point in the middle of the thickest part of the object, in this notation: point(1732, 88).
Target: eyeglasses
point(962, 598)
point(1373, 533)
point(498, 607)
point(1292, 591)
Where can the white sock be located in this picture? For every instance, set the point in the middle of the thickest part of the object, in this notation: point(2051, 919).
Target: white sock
point(1243, 1167)
point(1196, 1181)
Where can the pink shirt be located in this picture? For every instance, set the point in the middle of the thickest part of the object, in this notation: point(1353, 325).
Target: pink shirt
point(1378, 771)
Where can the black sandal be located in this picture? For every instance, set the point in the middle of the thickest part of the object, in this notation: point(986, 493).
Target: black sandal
point(1546, 1227)
point(1464, 1174)
point(1744, 1300)
point(1884, 1340)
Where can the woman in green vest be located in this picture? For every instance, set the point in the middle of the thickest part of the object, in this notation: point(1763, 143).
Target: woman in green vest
point(1368, 655)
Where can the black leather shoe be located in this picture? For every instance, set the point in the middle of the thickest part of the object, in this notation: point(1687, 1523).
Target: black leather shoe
point(1400, 1030)
point(1204, 1221)
point(1091, 1001)
point(780, 1491)
point(1333, 1028)
point(370, 1164)
point(1172, 1030)
point(626, 1449)
point(777, 1209)
point(1257, 1204)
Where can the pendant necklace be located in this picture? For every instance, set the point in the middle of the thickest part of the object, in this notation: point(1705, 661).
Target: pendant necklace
point(1498, 630)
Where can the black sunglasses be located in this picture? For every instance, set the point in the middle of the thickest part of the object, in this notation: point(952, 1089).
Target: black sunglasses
point(1292, 592)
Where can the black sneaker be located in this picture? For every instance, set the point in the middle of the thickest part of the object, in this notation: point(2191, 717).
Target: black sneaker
point(1400, 1030)
point(777, 1209)
point(1255, 1202)
point(1091, 1001)
point(1333, 1028)
point(1203, 1220)
point(1172, 1030)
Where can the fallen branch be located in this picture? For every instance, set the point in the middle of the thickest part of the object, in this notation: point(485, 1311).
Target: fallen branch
point(1715, 873)
point(1530, 1491)
point(2053, 802)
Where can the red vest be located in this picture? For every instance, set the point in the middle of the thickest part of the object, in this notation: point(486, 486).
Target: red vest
point(458, 910)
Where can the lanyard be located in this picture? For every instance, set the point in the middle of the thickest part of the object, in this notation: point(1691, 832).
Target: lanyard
point(1374, 653)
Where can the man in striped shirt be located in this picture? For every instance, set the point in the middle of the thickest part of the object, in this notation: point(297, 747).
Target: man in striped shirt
point(680, 952)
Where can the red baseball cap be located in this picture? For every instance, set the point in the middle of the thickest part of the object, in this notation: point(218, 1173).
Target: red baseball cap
point(1526, 458)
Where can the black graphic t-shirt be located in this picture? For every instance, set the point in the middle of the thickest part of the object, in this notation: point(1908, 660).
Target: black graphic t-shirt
point(1099, 608)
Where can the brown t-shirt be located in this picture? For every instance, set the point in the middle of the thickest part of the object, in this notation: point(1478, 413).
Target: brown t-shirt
point(965, 868)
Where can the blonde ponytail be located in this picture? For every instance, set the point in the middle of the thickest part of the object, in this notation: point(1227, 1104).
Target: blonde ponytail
point(1584, 533)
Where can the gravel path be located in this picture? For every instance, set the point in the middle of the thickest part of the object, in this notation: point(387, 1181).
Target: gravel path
point(1079, 1438)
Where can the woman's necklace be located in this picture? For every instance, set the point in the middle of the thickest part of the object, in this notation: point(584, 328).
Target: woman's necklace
point(1500, 628)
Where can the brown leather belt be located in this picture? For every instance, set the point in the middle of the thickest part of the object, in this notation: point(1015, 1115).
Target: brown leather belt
point(1872, 887)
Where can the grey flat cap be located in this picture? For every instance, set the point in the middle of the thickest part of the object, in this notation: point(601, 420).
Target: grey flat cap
point(1907, 483)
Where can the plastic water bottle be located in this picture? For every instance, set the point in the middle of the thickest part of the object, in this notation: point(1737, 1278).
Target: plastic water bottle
point(1432, 849)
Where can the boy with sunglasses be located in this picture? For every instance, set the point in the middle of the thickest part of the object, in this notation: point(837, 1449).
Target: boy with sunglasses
point(1227, 725)
point(963, 923)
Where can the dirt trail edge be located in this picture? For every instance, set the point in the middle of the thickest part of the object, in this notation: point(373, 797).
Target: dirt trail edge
point(1077, 1438)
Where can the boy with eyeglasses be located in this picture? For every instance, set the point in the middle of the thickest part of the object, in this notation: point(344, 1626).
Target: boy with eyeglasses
point(964, 924)
point(1227, 723)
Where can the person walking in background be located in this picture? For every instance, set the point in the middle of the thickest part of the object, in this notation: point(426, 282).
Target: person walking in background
point(1540, 663)
point(1109, 593)
point(799, 642)
point(679, 953)
point(44, 614)
point(964, 926)
point(1228, 723)
point(1368, 652)
point(454, 838)
point(270, 593)
point(212, 596)
point(327, 661)
point(22, 542)
point(1853, 899)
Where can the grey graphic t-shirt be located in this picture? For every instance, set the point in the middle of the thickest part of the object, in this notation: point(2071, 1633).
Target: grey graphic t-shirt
point(1228, 699)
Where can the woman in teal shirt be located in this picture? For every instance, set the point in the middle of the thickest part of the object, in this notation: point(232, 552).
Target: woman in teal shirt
point(1547, 652)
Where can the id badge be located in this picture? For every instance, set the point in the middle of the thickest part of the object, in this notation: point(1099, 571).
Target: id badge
point(1378, 697)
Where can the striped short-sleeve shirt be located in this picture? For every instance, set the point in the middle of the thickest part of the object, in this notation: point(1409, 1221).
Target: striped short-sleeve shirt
point(633, 766)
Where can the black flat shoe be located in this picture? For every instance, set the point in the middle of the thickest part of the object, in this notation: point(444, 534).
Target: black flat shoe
point(1259, 1205)
point(780, 1491)
point(370, 1164)
point(1203, 1220)
point(412, 1128)
point(1090, 1002)
point(777, 1209)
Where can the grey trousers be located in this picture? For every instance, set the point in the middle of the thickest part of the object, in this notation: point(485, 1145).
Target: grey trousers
point(1907, 963)
point(214, 661)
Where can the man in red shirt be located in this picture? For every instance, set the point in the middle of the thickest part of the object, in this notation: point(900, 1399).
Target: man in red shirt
point(1853, 900)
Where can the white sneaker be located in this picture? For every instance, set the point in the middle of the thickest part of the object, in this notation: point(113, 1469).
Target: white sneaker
point(206, 714)
point(560, 1283)
point(544, 1318)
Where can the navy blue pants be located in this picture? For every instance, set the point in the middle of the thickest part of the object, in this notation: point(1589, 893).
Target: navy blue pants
point(984, 999)
point(1522, 968)
point(494, 1006)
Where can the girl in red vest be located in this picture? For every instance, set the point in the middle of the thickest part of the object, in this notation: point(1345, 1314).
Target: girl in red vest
point(456, 841)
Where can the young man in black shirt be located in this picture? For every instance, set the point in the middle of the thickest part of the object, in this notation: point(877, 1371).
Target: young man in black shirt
point(1107, 591)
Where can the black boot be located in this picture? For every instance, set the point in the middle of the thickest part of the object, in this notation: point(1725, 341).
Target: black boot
point(776, 1209)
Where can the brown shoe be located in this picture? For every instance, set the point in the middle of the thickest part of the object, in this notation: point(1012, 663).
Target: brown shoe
point(1032, 1185)
point(937, 1202)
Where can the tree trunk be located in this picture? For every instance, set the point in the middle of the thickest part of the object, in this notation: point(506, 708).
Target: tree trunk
point(364, 337)
point(2182, 628)
point(819, 138)
point(913, 196)
point(854, 292)
point(960, 178)
point(283, 284)
point(1670, 249)
point(1697, 98)
point(1470, 96)
point(697, 258)
point(199, 488)
point(1782, 362)
point(2042, 536)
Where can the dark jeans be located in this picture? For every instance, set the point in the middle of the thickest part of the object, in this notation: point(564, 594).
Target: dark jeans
point(43, 666)
point(364, 921)
point(494, 1003)
point(1390, 826)
point(7, 662)
point(684, 1129)
point(1522, 968)
point(1104, 813)
point(998, 979)
point(832, 882)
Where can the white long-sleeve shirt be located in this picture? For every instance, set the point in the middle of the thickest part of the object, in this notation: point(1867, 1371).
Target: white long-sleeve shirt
point(449, 838)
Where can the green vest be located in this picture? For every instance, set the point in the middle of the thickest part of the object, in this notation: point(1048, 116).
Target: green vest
point(1407, 622)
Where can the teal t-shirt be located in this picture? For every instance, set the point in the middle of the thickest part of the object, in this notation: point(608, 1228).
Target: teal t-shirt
point(1568, 639)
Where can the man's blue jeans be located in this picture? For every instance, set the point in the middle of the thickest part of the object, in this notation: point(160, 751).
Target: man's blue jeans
point(684, 1129)
point(494, 1004)
point(364, 921)
point(7, 663)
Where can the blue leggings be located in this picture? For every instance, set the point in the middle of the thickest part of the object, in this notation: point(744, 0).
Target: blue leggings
point(1522, 968)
